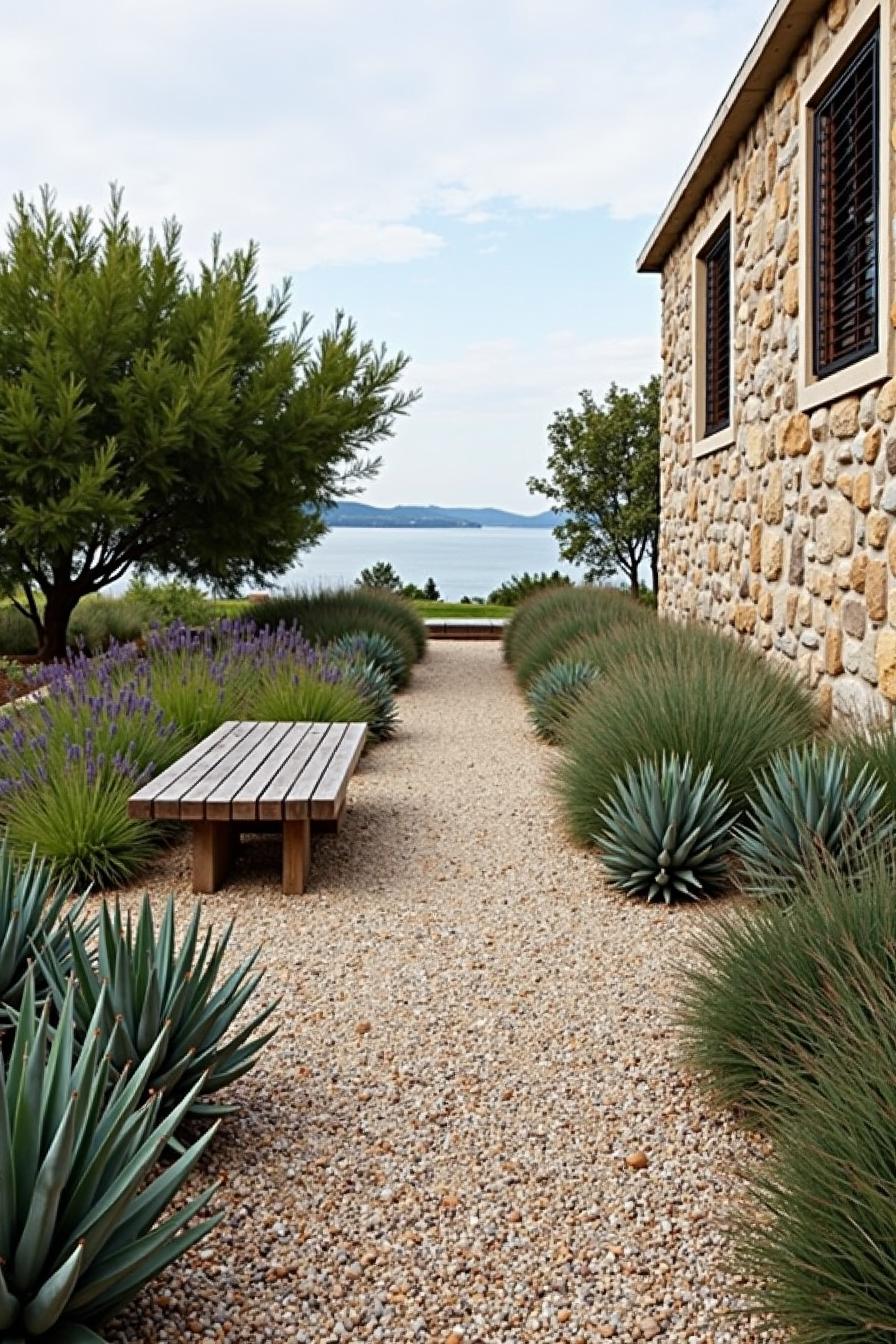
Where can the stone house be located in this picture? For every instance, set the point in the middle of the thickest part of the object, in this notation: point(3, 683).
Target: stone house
point(778, 474)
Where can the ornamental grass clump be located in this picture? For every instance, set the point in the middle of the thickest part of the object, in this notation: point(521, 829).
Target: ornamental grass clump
point(678, 690)
point(82, 1219)
point(137, 988)
point(666, 833)
point(875, 750)
point(555, 692)
point(805, 803)
point(818, 1240)
point(763, 977)
point(325, 615)
point(538, 635)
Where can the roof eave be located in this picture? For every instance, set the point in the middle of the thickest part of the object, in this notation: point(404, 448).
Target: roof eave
point(768, 59)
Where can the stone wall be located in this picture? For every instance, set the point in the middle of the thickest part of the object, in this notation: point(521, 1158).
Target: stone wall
point(789, 537)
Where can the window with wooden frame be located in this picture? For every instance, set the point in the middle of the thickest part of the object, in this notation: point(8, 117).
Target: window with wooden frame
point(846, 213)
point(717, 328)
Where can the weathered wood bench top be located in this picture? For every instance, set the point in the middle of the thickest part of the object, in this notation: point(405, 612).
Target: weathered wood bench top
point(257, 772)
point(282, 774)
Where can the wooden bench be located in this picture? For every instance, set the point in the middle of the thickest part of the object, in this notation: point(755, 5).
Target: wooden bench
point(256, 776)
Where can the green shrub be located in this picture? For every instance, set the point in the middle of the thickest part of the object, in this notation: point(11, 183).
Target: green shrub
point(79, 1219)
point(803, 803)
point(325, 615)
point(17, 634)
point(820, 1239)
point(555, 692)
point(678, 690)
point(371, 647)
point(761, 978)
point(162, 603)
point(33, 904)
point(98, 621)
point(375, 689)
point(520, 586)
point(666, 833)
point(156, 990)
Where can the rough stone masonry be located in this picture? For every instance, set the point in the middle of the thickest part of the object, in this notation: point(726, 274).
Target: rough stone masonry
point(788, 537)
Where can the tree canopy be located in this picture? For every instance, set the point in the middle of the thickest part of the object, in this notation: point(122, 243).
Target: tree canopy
point(603, 471)
point(168, 421)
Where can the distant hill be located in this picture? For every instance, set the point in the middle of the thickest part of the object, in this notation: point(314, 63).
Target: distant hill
point(351, 514)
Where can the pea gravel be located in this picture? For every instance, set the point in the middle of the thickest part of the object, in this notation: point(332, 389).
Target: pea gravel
point(472, 1126)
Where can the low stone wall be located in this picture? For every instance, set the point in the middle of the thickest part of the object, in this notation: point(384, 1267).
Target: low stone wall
point(788, 538)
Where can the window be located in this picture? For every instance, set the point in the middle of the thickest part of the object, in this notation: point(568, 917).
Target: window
point(846, 215)
point(712, 292)
point(717, 325)
point(845, 174)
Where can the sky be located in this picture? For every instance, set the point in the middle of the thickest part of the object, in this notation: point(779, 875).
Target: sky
point(472, 180)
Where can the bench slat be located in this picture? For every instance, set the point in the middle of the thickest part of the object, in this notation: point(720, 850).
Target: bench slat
point(188, 766)
point(192, 803)
point(219, 803)
point(245, 807)
point(297, 803)
point(271, 799)
point(329, 795)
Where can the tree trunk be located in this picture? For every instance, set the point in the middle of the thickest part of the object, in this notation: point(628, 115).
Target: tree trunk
point(61, 602)
point(634, 582)
point(655, 568)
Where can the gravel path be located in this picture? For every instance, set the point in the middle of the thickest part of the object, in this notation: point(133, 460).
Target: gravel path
point(474, 1037)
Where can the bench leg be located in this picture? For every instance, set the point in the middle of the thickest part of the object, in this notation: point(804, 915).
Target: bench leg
point(296, 856)
point(212, 849)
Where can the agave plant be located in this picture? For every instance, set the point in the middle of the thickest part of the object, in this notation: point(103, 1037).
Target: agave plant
point(378, 695)
point(554, 693)
point(370, 646)
point(806, 802)
point(31, 903)
point(79, 1235)
point(151, 986)
point(667, 831)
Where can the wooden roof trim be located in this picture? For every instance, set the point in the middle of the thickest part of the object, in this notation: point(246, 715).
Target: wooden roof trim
point(771, 54)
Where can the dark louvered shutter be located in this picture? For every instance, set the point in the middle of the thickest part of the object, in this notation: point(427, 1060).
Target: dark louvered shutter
point(717, 260)
point(846, 184)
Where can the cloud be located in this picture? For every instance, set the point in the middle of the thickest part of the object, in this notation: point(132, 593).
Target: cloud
point(329, 130)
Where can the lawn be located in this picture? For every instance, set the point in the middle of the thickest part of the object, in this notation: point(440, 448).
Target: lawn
point(471, 610)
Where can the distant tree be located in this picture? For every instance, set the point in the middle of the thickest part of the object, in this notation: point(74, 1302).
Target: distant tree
point(380, 575)
point(428, 593)
point(161, 421)
point(603, 470)
point(518, 586)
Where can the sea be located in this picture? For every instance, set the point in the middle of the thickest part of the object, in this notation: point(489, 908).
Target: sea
point(464, 561)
